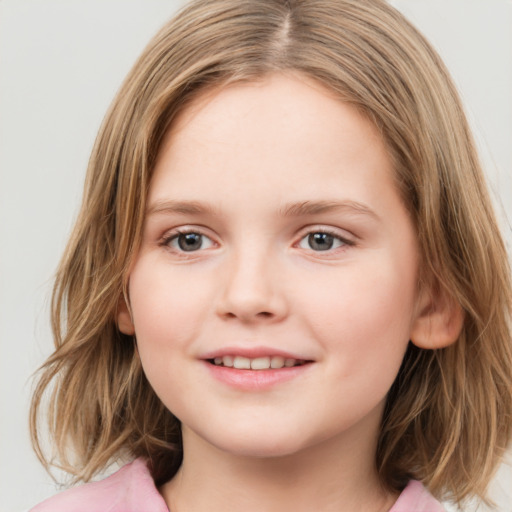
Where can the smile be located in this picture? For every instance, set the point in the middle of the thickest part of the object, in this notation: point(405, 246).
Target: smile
point(257, 363)
point(255, 369)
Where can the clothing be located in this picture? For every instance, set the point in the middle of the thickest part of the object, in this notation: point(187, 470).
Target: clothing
point(131, 489)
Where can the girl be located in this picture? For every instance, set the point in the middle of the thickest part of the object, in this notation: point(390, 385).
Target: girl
point(286, 288)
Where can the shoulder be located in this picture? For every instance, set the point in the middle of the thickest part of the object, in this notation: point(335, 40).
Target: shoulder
point(131, 489)
point(415, 498)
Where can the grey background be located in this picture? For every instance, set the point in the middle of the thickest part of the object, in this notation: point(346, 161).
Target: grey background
point(61, 62)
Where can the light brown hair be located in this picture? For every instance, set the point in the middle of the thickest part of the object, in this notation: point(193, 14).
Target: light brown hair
point(448, 417)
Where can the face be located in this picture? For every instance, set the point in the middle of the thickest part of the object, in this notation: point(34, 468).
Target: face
point(275, 290)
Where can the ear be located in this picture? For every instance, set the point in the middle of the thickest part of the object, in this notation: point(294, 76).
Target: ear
point(124, 318)
point(439, 319)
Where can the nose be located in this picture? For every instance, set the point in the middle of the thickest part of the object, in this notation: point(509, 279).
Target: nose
point(253, 289)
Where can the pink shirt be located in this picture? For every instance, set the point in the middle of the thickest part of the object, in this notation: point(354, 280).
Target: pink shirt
point(131, 489)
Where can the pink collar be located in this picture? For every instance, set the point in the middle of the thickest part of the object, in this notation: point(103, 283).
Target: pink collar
point(415, 498)
point(131, 489)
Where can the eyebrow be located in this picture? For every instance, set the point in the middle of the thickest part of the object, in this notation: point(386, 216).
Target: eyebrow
point(315, 207)
point(297, 209)
point(183, 207)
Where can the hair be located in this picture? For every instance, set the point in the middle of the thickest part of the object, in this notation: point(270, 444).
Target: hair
point(448, 416)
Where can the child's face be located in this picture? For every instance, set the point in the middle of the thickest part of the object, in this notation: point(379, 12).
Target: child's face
point(274, 231)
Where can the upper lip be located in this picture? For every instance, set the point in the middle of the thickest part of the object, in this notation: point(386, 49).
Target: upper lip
point(252, 353)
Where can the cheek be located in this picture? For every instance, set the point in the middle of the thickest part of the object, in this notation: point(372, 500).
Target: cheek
point(166, 309)
point(165, 319)
point(363, 313)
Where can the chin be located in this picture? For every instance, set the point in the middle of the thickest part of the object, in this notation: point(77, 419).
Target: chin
point(259, 445)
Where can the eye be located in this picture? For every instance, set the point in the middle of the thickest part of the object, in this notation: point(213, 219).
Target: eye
point(189, 241)
point(322, 241)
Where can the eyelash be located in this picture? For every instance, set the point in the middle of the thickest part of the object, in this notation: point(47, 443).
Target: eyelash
point(167, 239)
point(345, 242)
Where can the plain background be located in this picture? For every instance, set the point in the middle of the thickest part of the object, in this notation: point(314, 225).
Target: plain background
point(61, 62)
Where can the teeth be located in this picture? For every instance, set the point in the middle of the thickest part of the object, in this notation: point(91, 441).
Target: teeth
point(227, 361)
point(258, 363)
point(277, 362)
point(242, 363)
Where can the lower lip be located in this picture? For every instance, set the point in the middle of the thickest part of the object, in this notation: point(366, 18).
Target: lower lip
point(255, 380)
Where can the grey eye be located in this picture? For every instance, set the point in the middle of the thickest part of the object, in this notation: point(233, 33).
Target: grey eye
point(321, 242)
point(189, 242)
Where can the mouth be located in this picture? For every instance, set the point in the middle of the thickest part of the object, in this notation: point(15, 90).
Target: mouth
point(256, 368)
point(257, 363)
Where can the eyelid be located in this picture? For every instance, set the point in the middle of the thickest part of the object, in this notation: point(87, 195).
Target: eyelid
point(346, 237)
point(331, 230)
point(173, 233)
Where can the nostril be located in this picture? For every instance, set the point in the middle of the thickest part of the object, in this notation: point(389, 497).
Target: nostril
point(264, 314)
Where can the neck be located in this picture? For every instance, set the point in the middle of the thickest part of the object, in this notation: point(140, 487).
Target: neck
point(334, 475)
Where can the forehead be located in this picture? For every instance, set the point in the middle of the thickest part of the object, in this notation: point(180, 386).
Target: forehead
point(286, 96)
point(283, 134)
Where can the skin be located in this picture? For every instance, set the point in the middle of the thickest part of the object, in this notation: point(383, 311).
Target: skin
point(244, 154)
